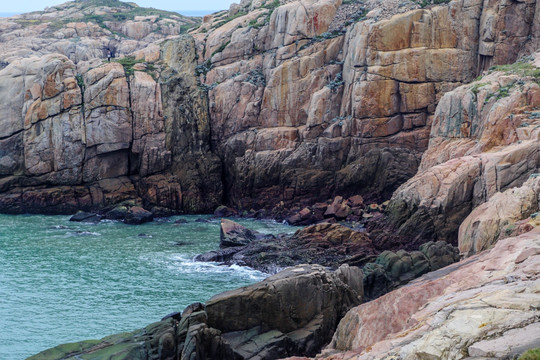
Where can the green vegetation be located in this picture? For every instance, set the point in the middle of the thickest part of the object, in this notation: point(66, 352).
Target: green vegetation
point(426, 3)
point(229, 18)
point(128, 11)
point(533, 354)
point(204, 68)
point(80, 81)
point(520, 68)
point(534, 115)
point(256, 77)
point(272, 5)
point(356, 18)
point(221, 48)
point(324, 36)
point(476, 87)
point(503, 92)
point(336, 83)
point(128, 62)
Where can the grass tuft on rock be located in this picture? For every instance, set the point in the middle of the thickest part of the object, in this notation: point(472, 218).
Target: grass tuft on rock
point(533, 354)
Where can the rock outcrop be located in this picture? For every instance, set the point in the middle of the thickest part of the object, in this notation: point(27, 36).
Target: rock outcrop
point(472, 309)
point(484, 140)
point(301, 114)
point(327, 244)
point(72, 141)
point(249, 323)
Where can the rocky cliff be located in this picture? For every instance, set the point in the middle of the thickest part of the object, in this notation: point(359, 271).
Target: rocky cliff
point(272, 104)
point(280, 104)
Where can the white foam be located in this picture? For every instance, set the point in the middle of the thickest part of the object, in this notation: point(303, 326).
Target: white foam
point(82, 233)
point(185, 265)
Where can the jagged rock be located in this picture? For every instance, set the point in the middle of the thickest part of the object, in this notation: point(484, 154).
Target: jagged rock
point(305, 217)
point(118, 213)
point(253, 326)
point(224, 211)
point(393, 269)
point(233, 234)
point(327, 244)
point(338, 209)
point(483, 142)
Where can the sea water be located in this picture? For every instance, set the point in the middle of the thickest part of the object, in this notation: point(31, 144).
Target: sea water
point(62, 281)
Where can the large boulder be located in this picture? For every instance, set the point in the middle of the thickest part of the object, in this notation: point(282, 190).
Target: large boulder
point(272, 319)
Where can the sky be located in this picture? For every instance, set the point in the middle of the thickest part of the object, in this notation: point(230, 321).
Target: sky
point(23, 6)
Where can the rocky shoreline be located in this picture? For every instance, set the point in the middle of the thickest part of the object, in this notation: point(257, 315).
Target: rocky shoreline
point(404, 136)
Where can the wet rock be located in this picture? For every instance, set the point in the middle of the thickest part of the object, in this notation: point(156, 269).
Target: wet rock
point(137, 215)
point(246, 323)
point(224, 211)
point(233, 234)
point(181, 221)
point(82, 216)
point(118, 213)
point(326, 244)
point(338, 209)
point(305, 217)
point(174, 315)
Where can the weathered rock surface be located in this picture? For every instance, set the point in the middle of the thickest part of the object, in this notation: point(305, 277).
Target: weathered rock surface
point(392, 269)
point(248, 323)
point(497, 218)
point(469, 309)
point(273, 105)
point(90, 141)
point(339, 113)
point(484, 140)
point(233, 234)
point(85, 31)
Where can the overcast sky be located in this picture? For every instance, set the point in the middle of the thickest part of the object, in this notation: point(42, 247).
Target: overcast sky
point(172, 5)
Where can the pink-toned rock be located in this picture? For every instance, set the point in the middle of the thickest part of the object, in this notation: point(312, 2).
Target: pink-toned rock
point(448, 313)
point(481, 143)
point(484, 226)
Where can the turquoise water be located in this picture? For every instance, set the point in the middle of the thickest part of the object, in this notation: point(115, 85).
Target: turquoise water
point(63, 282)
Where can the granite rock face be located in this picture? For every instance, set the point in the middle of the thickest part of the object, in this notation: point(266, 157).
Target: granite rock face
point(274, 104)
point(484, 140)
point(326, 244)
point(302, 118)
point(87, 141)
